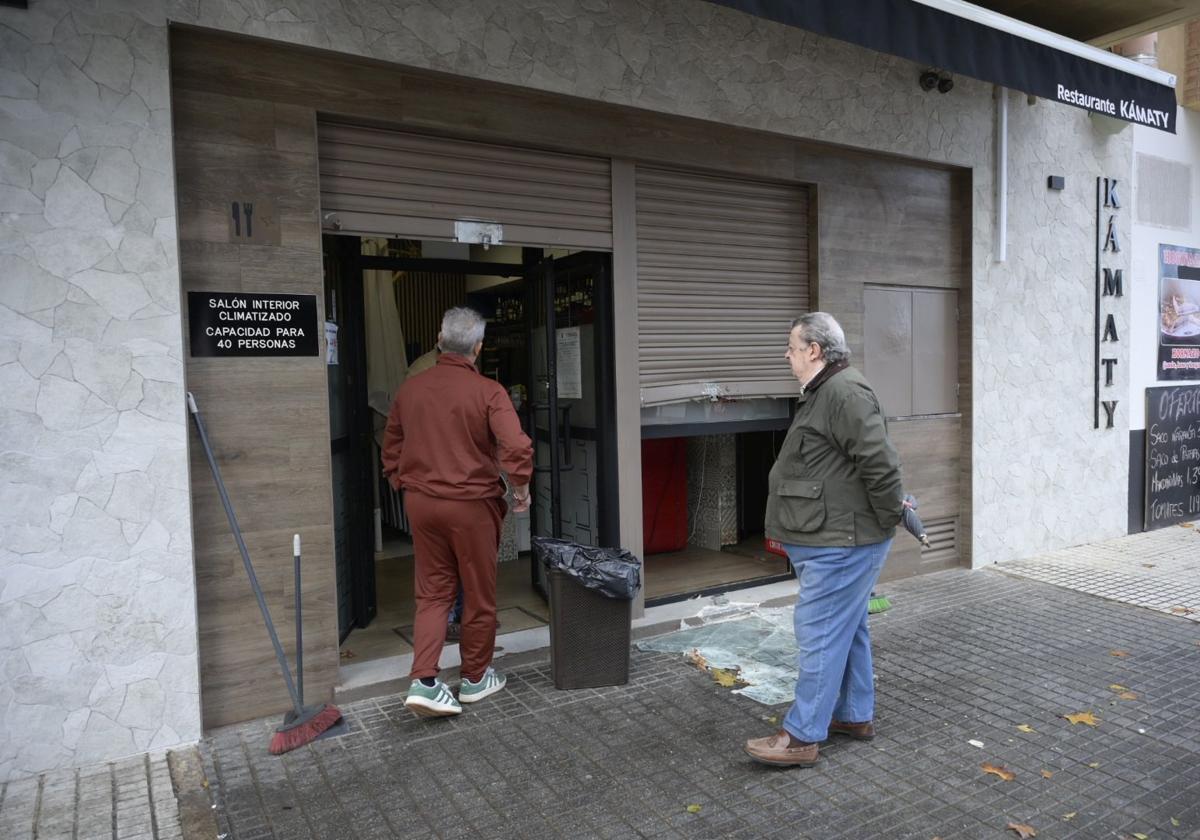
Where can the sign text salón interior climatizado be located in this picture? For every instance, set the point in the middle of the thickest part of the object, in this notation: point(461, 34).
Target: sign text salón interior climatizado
point(246, 324)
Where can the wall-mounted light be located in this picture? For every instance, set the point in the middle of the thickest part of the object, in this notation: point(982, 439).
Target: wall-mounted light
point(931, 79)
point(1056, 182)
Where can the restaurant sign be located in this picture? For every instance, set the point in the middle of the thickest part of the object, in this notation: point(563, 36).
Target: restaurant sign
point(1109, 284)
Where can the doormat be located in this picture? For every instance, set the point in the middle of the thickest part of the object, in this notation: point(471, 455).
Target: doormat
point(511, 619)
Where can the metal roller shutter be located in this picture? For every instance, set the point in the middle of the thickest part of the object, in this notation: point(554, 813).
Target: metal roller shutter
point(722, 270)
point(389, 183)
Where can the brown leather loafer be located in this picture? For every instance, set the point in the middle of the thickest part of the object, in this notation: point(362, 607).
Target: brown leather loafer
point(781, 750)
point(857, 731)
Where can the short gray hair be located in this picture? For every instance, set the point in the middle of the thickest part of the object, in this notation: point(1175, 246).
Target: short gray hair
point(822, 328)
point(462, 329)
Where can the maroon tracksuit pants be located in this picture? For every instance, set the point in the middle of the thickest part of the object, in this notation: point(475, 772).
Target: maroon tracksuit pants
point(454, 540)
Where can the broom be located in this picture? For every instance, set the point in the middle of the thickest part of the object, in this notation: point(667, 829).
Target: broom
point(302, 725)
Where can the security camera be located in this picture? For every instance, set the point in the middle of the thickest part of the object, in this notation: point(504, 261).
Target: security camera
point(929, 80)
point(945, 83)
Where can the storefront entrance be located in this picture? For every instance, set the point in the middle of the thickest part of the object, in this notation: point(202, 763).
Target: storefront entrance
point(708, 234)
point(548, 342)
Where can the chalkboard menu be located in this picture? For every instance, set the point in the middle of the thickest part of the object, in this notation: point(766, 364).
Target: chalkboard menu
point(245, 324)
point(1172, 455)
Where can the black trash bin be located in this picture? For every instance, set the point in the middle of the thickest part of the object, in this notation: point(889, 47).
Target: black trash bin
point(591, 600)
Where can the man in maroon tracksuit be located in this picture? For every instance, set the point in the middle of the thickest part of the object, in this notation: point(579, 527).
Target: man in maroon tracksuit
point(450, 433)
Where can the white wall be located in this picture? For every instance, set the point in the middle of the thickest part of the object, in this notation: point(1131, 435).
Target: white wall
point(1142, 286)
point(98, 649)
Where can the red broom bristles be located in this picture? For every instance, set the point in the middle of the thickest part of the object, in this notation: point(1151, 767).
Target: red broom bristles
point(289, 739)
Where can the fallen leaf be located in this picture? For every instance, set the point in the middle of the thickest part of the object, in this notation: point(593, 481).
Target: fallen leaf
point(1069, 816)
point(1094, 764)
point(1181, 611)
point(696, 659)
point(1127, 695)
point(1119, 653)
point(726, 678)
point(1174, 822)
point(1185, 524)
point(1149, 565)
point(1023, 831)
point(773, 720)
point(693, 809)
point(1118, 687)
point(1006, 775)
point(1141, 836)
point(1046, 774)
point(1025, 727)
point(1083, 717)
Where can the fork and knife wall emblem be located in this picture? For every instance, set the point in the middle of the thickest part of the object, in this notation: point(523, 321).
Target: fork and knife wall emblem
point(243, 217)
point(254, 222)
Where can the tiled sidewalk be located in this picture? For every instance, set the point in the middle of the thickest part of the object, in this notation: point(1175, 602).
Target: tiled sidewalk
point(961, 657)
point(1159, 570)
point(132, 799)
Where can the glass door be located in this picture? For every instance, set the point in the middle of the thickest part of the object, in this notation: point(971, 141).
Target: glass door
point(570, 412)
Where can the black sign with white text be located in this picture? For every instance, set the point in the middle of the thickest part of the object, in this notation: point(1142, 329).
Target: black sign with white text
point(244, 324)
point(1172, 455)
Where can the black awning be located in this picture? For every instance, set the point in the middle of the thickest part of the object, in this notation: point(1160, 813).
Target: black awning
point(965, 39)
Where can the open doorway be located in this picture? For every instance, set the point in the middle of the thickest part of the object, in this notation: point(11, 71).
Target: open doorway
point(548, 341)
point(704, 500)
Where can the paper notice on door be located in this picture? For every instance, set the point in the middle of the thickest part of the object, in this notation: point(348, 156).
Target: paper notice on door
point(570, 364)
point(331, 343)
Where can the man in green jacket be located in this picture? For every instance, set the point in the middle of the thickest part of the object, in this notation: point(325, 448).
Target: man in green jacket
point(835, 498)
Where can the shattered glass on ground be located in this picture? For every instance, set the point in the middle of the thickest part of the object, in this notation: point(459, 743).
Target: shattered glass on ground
point(757, 644)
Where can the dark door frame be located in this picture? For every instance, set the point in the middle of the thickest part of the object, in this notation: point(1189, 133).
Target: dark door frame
point(360, 538)
point(540, 293)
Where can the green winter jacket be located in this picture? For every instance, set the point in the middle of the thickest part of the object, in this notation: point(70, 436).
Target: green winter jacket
point(836, 481)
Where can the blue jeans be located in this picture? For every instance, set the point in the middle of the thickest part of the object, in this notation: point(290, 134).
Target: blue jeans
point(835, 673)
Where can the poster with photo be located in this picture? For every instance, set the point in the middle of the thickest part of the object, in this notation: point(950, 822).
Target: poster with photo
point(1178, 312)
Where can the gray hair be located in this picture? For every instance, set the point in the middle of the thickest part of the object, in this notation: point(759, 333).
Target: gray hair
point(822, 328)
point(462, 329)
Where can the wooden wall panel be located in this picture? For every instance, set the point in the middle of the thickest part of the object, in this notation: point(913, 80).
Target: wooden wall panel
point(267, 417)
point(902, 223)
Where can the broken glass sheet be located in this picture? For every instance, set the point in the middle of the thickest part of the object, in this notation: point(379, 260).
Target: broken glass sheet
point(759, 643)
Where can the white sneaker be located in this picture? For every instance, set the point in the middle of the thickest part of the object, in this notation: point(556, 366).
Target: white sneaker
point(489, 684)
point(431, 700)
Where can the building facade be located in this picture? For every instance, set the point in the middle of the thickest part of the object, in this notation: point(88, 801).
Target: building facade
point(126, 128)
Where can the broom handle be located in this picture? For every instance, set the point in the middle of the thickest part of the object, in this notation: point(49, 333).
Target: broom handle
point(241, 544)
point(299, 622)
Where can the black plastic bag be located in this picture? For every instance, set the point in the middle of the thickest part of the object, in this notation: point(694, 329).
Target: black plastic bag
point(613, 572)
